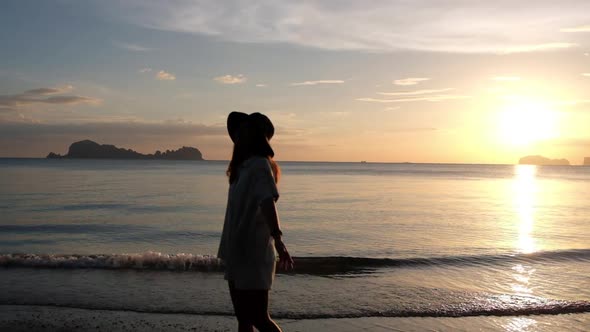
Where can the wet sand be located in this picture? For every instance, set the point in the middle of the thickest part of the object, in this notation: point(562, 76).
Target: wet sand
point(45, 318)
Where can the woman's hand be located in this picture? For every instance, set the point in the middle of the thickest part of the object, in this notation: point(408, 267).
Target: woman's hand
point(285, 261)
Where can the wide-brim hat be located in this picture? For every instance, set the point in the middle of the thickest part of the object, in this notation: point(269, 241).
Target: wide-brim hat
point(257, 120)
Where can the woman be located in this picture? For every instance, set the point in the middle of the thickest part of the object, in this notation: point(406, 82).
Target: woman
point(251, 230)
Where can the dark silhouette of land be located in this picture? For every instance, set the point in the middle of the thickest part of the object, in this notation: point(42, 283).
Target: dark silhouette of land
point(93, 150)
point(540, 160)
point(587, 161)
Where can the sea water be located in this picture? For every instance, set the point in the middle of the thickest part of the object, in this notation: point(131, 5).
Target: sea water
point(369, 239)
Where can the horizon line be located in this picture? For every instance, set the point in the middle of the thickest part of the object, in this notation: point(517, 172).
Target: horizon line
point(310, 161)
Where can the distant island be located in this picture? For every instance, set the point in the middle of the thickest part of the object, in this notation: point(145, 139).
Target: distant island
point(587, 161)
point(540, 160)
point(90, 149)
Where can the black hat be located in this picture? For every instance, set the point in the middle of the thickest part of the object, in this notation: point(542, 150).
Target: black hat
point(259, 121)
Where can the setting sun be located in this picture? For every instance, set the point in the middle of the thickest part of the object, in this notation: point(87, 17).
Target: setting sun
point(524, 121)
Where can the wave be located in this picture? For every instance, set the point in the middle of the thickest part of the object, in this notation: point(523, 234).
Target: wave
point(145, 261)
point(335, 265)
point(528, 307)
point(303, 265)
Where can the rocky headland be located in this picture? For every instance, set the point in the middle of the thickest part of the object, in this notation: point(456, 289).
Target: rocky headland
point(92, 150)
point(543, 161)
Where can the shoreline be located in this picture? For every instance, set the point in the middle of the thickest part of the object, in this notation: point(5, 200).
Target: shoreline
point(47, 318)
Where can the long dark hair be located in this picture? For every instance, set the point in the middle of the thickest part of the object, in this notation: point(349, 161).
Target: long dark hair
point(250, 142)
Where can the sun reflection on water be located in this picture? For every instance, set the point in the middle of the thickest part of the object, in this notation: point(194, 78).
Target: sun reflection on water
point(525, 188)
point(522, 275)
point(521, 324)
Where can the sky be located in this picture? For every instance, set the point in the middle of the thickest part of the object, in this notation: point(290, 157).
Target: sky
point(446, 81)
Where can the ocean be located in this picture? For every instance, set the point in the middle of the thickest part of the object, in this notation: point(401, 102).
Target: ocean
point(369, 239)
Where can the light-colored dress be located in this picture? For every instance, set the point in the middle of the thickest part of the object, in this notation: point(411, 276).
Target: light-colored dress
point(246, 247)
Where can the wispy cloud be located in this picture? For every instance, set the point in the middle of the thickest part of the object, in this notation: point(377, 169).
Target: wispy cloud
point(261, 85)
point(433, 98)
point(432, 95)
point(163, 75)
point(410, 81)
point(118, 128)
point(414, 93)
point(50, 91)
point(145, 70)
point(317, 82)
point(586, 74)
point(525, 48)
point(506, 78)
point(473, 27)
point(231, 79)
point(581, 28)
point(44, 96)
point(132, 47)
point(412, 129)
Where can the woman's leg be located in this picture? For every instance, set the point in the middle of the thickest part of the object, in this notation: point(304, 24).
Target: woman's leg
point(240, 309)
point(259, 311)
point(251, 308)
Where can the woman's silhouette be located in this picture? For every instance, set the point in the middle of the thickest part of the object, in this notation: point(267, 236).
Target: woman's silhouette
point(251, 230)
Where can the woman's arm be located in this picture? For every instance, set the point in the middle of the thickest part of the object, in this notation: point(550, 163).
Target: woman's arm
point(269, 211)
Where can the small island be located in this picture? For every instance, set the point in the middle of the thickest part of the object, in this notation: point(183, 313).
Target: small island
point(587, 161)
point(543, 161)
point(92, 150)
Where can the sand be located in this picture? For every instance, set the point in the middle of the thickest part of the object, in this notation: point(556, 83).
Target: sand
point(47, 318)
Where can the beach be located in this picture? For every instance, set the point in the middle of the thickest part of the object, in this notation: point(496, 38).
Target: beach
point(29, 318)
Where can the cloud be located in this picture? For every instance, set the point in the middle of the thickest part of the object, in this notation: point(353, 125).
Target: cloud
point(44, 96)
point(161, 75)
point(261, 85)
point(116, 128)
point(581, 28)
point(376, 100)
point(444, 26)
point(132, 47)
point(50, 91)
point(231, 79)
point(165, 76)
point(414, 93)
point(433, 98)
point(506, 78)
point(432, 95)
point(317, 82)
point(586, 74)
point(525, 48)
point(413, 130)
point(410, 81)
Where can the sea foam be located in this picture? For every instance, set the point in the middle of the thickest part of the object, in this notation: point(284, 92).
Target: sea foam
point(148, 260)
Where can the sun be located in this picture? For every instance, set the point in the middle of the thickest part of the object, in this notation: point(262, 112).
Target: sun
point(524, 121)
